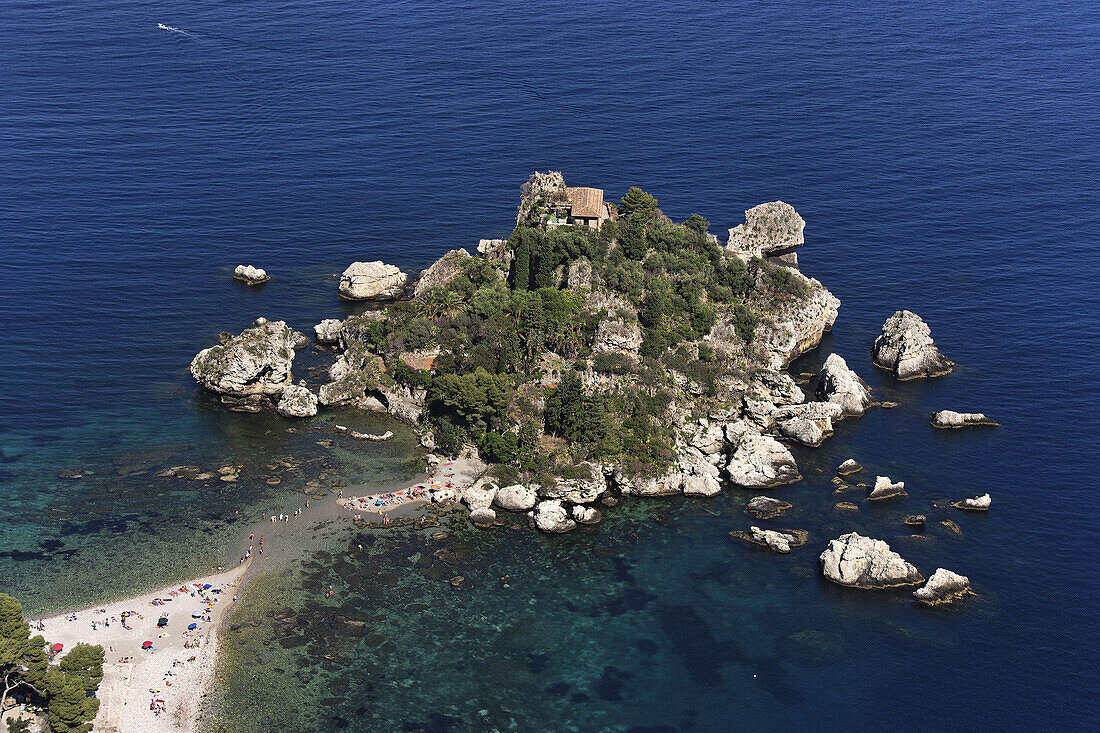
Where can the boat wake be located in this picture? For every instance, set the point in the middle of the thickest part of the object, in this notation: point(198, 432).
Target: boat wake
point(172, 29)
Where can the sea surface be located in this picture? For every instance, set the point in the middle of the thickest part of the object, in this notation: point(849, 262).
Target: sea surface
point(946, 159)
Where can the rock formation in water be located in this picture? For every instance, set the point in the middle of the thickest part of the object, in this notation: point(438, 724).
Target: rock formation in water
point(905, 347)
point(765, 507)
point(849, 467)
point(781, 541)
point(861, 562)
point(328, 331)
point(255, 363)
point(943, 588)
point(975, 504)
point(884, 489)
point(842, 387)
point(770, 229)
point(551, 516)
point(250, 275)
point(297, 401)
point(372, 281)
point(810, 423)
point(516, 498)
point(758, 461)
point(949, 419)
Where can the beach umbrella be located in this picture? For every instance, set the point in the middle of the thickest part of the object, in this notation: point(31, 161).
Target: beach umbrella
point(196, 614)
point(58, 647)
point(192, 626)
point(146, 644)
point(208, 586)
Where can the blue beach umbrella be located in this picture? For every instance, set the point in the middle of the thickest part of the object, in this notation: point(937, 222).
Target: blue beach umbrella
point(208, 586)
point(192, 626)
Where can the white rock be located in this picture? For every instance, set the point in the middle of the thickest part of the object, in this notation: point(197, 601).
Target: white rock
point(372, 281)
point(249, 274)
point(255, 363)
point(841, 386)
point(886, 490)
point(778, 541)
point(297, 402)
point(978, 503)
point(849, 467)
point(942, 588)
point(586, 514)
point(861, 562)
point(516, 498)
point(483, 515)
point(765, 507)
point(758, 461)
point(948, 419)
point(616, 335)
point(809, 423)
point(551, 516)
point(770, 229)
point(480, 494)
point(905, 347)
point(589, 486)
point(328, 331)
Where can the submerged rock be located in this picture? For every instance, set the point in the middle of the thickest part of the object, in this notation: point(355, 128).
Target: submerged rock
point(884, 489)
point(442, 271)
point(905, 347)
point(770, 230)
point(372, 281)
point(948, 419)
point(944, 587)
point(255, 363)
point(765, 507)
point(249, 274)
point(976, 504)
point(758, 461)
point(861, 562)
point(297, 402)
point(551, 516)
point(915, 520)
point(841, 386)
point(849, 467)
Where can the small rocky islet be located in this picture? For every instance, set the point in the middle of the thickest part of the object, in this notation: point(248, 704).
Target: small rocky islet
point(603, 351)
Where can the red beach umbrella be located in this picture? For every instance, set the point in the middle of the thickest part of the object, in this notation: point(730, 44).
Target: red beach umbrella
point(58, 647)
point(146, 644)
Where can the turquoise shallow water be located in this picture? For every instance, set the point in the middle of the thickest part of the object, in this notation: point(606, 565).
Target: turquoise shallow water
point(945, 159)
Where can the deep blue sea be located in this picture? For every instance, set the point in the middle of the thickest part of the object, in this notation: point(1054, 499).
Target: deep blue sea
point(946, 159)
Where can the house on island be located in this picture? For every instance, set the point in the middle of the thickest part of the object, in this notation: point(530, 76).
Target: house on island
point(582, 206)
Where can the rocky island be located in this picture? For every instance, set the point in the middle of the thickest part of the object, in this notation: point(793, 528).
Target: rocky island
point(601, 351)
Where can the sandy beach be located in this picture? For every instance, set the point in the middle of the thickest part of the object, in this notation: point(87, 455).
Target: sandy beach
point(175, 670)
point(445, 483)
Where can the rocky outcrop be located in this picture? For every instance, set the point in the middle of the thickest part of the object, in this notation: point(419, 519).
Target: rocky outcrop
point(551, 516)
point(861, 562)
point(516, 498)
point(774, 540)
point(255, 363)
point(483, 517)
point(943, 588)
point(841, 386)
point(976, 504)
point(770, 230)
point(615, 335)
point(297, 402)
point(700, 474)
point(915, 520)
point(250, 275)
point(479, 495)
point(849, 467)
point(758, 461)
point(809, 423)
point(536, 196)
point(328, 331)
point(905, 347)
point(671, 483)
point(372, 281)
point(353, 375)
point(884, 489)
point(586, 484)
point(765, 507)
point(442, 271)
point(587, 515)
point(798, 325)
point(949, 419)
point(299, 340)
